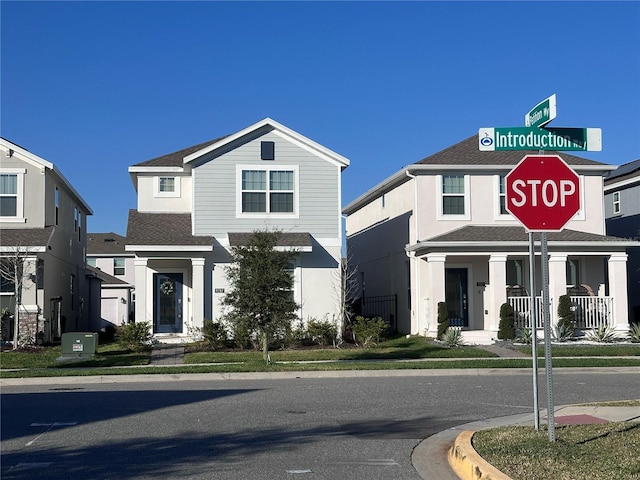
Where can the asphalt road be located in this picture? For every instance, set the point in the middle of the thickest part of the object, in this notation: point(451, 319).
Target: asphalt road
point(304, 428)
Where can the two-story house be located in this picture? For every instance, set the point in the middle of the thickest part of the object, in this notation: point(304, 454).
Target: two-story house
point(622, 213)
point(106, 253)
point(195, 204)
point(438, 231)
point(43, 220)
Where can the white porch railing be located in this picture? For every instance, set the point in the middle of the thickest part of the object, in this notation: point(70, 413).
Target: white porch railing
point(590, 312)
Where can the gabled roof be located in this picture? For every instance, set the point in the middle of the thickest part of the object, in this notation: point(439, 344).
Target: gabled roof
point(35, 239)
point(29, 157)
point(176, 159)
point(268, 125)
point(105, 244)
point(466, 156)
point(164, 230)
point(467, 152)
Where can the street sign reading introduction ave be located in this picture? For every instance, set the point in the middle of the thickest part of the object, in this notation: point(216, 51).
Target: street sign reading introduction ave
point(534, 138)
point(543, 192)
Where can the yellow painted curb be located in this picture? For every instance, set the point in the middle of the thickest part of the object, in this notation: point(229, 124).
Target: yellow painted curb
point(468, 465)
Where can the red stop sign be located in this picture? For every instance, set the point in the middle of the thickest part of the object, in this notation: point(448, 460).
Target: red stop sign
point(543, 192)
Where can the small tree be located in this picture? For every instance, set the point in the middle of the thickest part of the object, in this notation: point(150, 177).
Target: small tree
point(260, 295)
point(347, 293)
point(443, 319)
point(13, 273)
point(566, 316)
point(507, 327)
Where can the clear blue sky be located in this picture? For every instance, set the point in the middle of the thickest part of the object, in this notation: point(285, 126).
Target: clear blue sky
point(95, 87)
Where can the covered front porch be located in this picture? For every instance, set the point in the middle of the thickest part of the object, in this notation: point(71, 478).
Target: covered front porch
point(476, 277)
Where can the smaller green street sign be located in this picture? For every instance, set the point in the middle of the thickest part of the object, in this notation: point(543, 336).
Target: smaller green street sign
point(542, 113)
point(534, 138)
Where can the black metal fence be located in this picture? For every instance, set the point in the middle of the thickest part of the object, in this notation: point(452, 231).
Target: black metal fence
point(383, 306)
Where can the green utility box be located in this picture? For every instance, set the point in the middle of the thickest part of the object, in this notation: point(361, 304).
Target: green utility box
point(79, 344)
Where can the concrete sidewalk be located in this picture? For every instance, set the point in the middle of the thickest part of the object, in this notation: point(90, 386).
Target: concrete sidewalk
point(431, 458)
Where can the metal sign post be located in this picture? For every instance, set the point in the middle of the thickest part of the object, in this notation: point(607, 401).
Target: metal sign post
point(547, 336)
point(534, 328)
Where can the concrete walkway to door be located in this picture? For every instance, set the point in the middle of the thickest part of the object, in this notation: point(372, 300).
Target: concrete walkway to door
point(167, 354)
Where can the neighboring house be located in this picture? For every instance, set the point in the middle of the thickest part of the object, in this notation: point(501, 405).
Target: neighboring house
point(197, 203)
point(106, 253)
point(622, 212)
point(437, 231)
point(42, 214)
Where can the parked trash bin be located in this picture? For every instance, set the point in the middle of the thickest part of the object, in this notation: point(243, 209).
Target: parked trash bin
point(79, 344)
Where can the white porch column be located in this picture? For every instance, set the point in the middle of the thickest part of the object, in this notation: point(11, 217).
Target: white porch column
point(434, 292)
point(197, 292)
point(498, 290)
point(144, 311)
point(617, 266)
point(557, 283)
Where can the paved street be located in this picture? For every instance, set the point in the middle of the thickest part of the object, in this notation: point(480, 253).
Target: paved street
point(315, 428)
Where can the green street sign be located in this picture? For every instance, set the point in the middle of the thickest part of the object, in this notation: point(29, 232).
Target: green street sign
point(542, 113)
point(534, 138)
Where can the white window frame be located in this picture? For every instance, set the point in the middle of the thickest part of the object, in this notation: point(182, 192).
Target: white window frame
point(156, 187)
point(467, 202)
point(267, 169)
point(617, 209)
point(123, 266)
point(496, 187)
point(19, 172)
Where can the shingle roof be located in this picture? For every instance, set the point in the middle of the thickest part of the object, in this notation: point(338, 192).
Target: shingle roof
point(105, 244)
point(163, 229)
point(467, 152)
point(284, 239)
point(476, 233)
point(175, 159)
point(106, 278)
point(624, 172)
point(25, 237)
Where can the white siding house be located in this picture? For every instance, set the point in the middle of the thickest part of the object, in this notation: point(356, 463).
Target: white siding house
point(437, 231)
point(196, 203)
point(42, 215)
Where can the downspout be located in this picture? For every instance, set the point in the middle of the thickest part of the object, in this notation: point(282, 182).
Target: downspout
point(415, 298)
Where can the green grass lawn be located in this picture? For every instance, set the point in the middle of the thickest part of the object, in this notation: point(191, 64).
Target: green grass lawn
point(398, 353)
point(604, 350)
point(581, 452)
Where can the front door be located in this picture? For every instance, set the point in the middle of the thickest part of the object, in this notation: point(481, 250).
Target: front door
point(456, 296)
point(167, 303)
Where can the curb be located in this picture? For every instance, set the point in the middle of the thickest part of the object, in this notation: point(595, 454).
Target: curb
point(467, 464)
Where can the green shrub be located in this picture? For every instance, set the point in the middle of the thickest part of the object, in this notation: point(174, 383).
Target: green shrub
point(322, 332)
point(602, 334)
point(524, 335)
point(368, 331)
point(452, 337)
point(634, 332)
point(135, 336)
point(563, 332)
point(507, 327)
point(443, 319)
point(566, 316)
point(214, 334)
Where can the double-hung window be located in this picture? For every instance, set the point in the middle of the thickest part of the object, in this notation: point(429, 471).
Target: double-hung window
point(269, 191)
point(616, 203)
point(118, 266)
point(11, 207)
point(454, 197)
point(502, 196)
point(167, 186)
